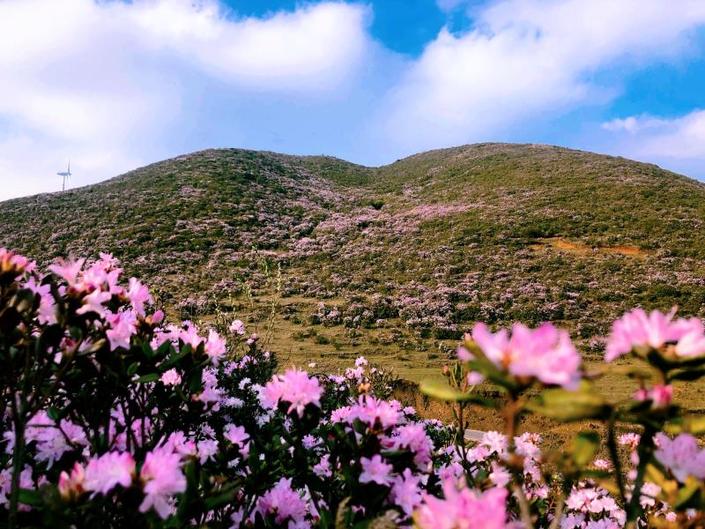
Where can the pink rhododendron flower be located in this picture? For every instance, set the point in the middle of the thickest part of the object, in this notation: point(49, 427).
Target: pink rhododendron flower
point(103, 473)
point(170, 378)
point(139, 295)
point(376, 413)
point(637, 329)
point(72, 485)
point(463, 508)
point(236, 435)
point(94, 302)
point(67, 270)
point(375, 470)
point(545, 353)
point(162, 477)
point(14, 262)
point(412, 437)
point(284, 503)
point(122, 328)
point(405, 491)
point(215, 347)
point(661, 395)
point(47, 306)
point(682, 456)
point(294, 387)
point(237, 327)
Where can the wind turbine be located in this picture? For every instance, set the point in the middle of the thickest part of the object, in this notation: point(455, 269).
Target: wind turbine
point(65, 175)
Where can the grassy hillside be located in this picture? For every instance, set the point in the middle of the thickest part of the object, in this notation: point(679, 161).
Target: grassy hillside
point(392, 262)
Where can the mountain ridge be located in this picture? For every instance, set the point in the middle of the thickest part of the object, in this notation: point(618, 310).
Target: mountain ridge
point(393, 261)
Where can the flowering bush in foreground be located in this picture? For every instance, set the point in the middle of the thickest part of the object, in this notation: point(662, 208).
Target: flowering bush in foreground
point(113, 418)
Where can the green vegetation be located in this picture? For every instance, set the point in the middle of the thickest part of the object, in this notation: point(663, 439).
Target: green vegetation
point(392, 262)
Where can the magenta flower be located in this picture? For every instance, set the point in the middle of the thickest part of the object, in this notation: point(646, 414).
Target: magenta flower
point(171, 378)
point(294, 387)
point(104, 473)
point(660, 395)
point(139, 295)
point(636, 330)
point(237, 328)
point(405, 491)
point(67, 270)
point(162, 477)
point(463, 508)
point(376, 413)
point(236, 435)
point(71, 485)
point(122, 326)
point(284, 503)
point(375, 470)
point(94, 302)
point(682, 456)
point(412, 437)
point(215, 347)
point(545, 353)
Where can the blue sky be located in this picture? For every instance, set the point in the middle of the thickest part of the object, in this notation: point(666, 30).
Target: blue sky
point(114, 85)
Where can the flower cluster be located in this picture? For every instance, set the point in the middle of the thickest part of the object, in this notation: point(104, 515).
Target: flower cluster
point(112, 417)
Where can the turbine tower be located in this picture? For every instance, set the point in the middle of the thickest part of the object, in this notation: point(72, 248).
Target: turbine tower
point(65, 175)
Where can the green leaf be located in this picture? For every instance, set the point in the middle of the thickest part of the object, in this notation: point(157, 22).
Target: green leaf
point(30, 497)
point(567, 406)
point(585, 446)
point(694, 424)
point(688, 495)
point(132, 368)
point(150, 377)
point(441, 391)
point(688, 374)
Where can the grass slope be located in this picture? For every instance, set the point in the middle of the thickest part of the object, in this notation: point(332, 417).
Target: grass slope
point(392, 262)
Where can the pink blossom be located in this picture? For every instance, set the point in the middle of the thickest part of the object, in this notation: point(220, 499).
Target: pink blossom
point(215, 347)
point(162, 477)
point(283, 502)
point(67, 270)
point(189, 335)
point(412, 437)
point(94, 302)
point(171, 378)
point(236, 435)
point(375, 470)
point(122, 328)
point(71, 485)
point(636, 330)
point(103, 473)
point(139, 295)
point(463, 508)
point(294, 387)
point(681, 456)
point(374, 412)
point(47, 306)
point(545, 353)
point(405, 491)
point(18, 264)
point(237, 327)
point(660, 395)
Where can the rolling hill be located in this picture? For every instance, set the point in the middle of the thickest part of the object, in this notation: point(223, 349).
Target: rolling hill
point(392, 262)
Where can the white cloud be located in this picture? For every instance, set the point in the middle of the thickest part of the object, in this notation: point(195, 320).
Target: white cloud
point(675, 142)
point(109, 82)
point(530, 59)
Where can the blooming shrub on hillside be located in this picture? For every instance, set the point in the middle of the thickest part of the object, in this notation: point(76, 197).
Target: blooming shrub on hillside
point(112, 417)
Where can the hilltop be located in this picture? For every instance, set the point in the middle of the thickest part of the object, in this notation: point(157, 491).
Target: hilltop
point(392, 262)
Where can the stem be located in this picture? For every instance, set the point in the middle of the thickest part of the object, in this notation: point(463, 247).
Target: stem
point(646, 445)
point(614, 455)
point(17, 460)
point(558, 513)
point(510, 428)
